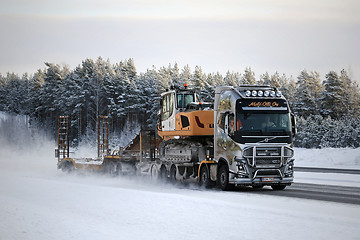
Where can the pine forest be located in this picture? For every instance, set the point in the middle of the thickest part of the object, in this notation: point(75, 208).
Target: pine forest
point(327, 110)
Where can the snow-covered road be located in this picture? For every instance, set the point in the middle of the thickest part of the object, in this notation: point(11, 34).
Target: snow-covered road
point(101, 207)
point(39, 202)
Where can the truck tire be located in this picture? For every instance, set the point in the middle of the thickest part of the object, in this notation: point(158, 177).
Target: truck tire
point(223, 179)
point(205, 178)
point(278, 187)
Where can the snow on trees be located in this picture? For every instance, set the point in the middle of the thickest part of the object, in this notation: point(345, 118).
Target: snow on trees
point(328, 111)
point(308, 94)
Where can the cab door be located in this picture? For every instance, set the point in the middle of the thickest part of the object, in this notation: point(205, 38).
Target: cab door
point(168, 112)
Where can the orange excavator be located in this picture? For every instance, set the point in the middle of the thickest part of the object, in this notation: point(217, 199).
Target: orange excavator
point(186, 126)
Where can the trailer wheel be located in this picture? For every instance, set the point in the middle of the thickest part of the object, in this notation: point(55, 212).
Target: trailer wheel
point(67, 167)
point(173, 173)
point(163, 173)
point(118, 169)
point(223, 179)
point(205, 178)
point(278, 187)
point(112, 168)
point(154, 173)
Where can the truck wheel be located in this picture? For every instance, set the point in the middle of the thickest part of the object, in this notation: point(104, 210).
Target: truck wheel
point(205, 178)
point(223, 179)
point(278, 187)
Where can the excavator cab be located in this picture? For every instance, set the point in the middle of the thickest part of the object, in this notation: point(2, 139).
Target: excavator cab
point(173, 102)
point(177, 99)
point(182, 114)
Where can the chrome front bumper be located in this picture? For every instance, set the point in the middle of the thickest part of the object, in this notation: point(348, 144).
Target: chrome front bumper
point(258, 181)
point(247, 175)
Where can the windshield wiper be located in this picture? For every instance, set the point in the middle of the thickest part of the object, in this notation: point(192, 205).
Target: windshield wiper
point(279, 131)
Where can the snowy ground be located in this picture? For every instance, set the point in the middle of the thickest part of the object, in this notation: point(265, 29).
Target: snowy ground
point(343, 158)
point(39, 202)
point(328, 158)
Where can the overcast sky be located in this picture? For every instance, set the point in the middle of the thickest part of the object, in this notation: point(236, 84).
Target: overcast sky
point(219, 35)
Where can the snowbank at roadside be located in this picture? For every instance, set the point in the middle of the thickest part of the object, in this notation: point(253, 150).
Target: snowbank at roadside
point(344, 158)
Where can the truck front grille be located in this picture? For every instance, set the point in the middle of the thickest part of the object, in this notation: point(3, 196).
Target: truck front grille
point(267, 157)
point(268, 162)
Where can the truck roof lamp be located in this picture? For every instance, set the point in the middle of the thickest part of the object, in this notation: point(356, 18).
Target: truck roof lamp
point(261, 93)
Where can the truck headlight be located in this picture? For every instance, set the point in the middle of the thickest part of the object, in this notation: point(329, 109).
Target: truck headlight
point(291, 167)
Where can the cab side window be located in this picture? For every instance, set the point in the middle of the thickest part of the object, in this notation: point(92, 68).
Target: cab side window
point(231, 124)
point(180, 101)
point(221, 121)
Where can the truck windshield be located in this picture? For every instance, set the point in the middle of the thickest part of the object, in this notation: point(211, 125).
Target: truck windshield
point(269, 123)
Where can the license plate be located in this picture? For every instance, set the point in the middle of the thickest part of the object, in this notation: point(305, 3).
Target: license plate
point(267, 179)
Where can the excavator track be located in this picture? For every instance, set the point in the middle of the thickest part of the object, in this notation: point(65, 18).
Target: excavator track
point(179, 151)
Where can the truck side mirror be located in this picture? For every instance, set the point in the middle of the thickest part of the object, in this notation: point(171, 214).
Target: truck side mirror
point(293, 125)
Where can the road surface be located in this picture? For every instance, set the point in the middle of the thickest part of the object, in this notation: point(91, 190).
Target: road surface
point(338, 194)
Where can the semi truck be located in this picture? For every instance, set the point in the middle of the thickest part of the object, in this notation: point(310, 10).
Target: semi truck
point(244, 138)
point(253, 138)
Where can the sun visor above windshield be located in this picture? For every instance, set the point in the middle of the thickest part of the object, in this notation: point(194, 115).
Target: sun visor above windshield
point(262, 104)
